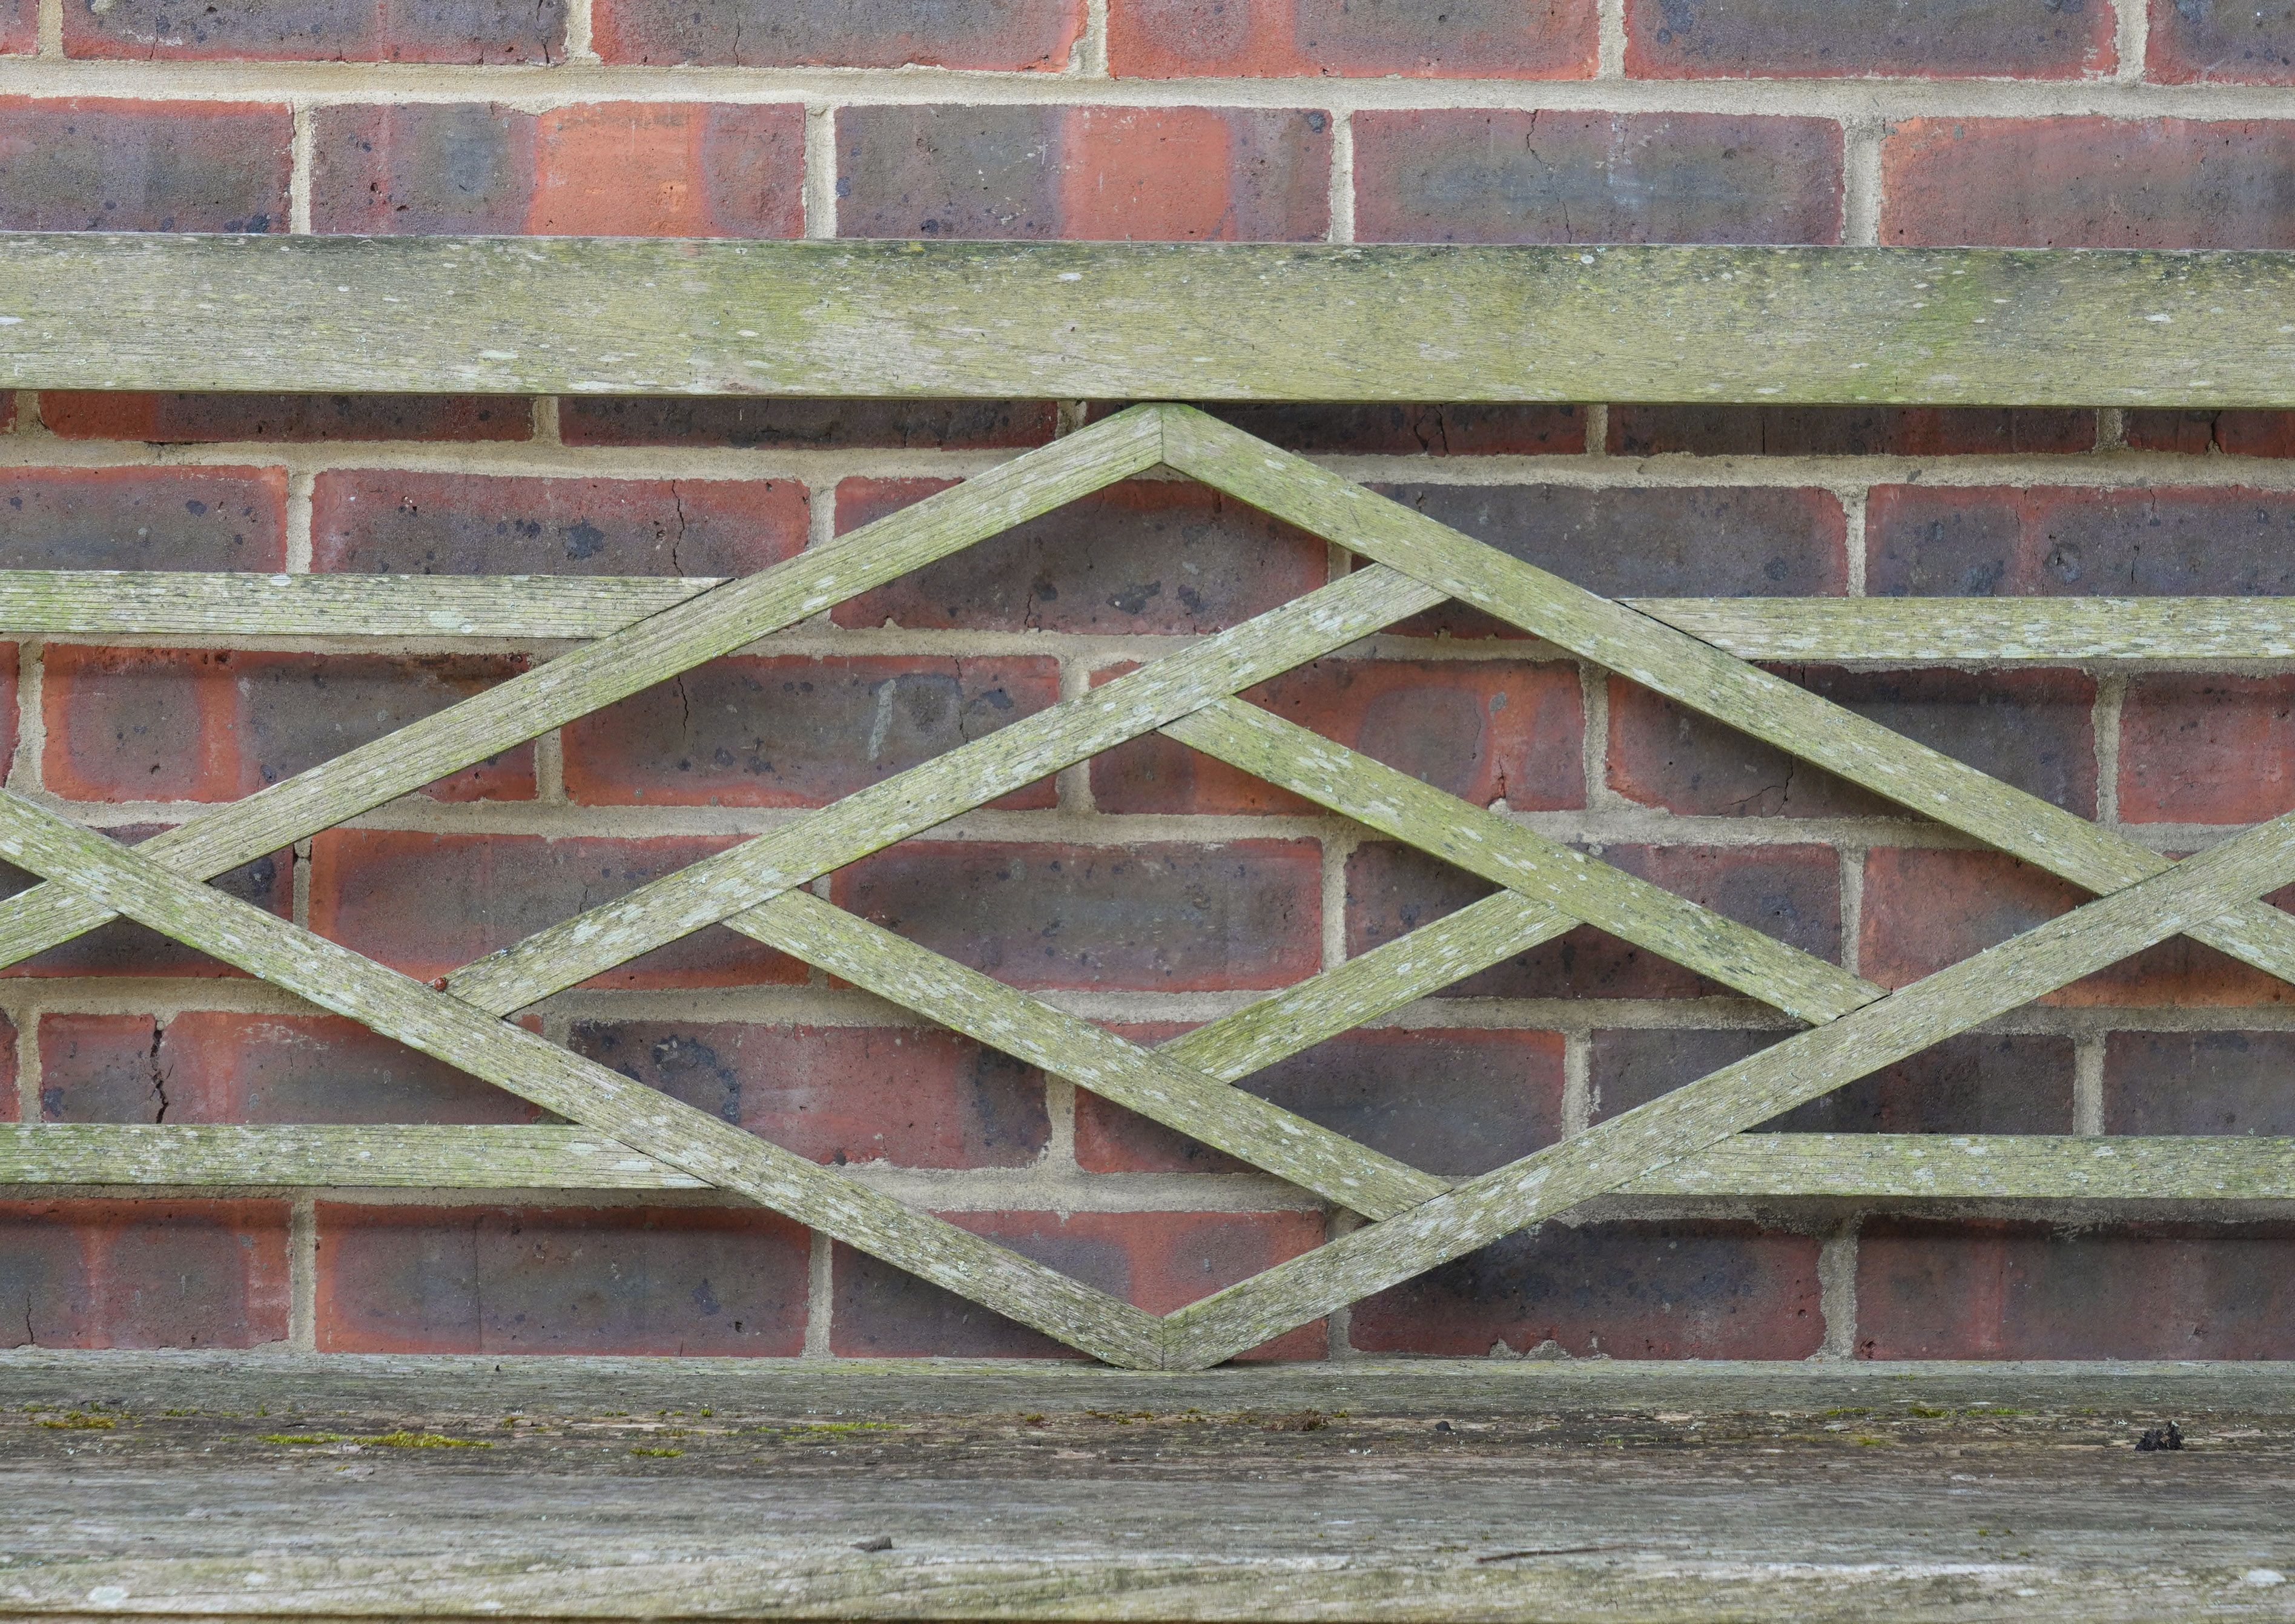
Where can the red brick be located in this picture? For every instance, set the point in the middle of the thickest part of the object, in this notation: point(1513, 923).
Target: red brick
point(2089, 182)
point(1123, 174)
point(603, 168)
point(191, 419)
point(2220, 42)
point(2066, 540)
point(92, 164)
point(1484, 730)
point(2235, 433)
point(1154, 557)
point(215, 1066)
point(9, 1109)
point(194, 724)
point(8, 707)
point(122, 948)
point(386, 522)
point(1326, 429)
point(321, 30)
point(689, 1280)
point(1696, 39)
point(1451, 1102)
point(1791, 892)
point(810, 425)
point(1154, 916)
point(1482, 39)
point(144, 518)
point(1628, 1290)
point(20, 26)
point(1973, 1289)
point(1847, 431)
point(2030, 728)
point(430, 903)
point(143, 1274)
point(910, 1097)
point(2206, 1082)
point(2206, 748)
point(800, 729)
point(1019, 34)
point(1476, 176)
point(1158, 1261)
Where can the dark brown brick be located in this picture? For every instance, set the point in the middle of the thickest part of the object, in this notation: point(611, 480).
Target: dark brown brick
point(2219, 42)
point(144, 518)
point(561, 1280)
point(2211, 1083)
point(90, 164)
point(319, 30)
point(928, 425)
point(2023, 39)
point(1496, 39)
point(1847, 431)
point(123, 948)
point(1322, 429)
point(143, 1274)
point(913, 1098)
point(2235, 433)
point(189, 419)
point(1474, 175)
point(986, 34)
point(1110, 173)
point(2059, 540)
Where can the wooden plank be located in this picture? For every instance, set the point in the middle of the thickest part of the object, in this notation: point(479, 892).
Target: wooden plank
point(1699, 675)
point(653, 1123)
point(1143, 1080)
point(1921, 631)
point(330, 1155)
point(652, 650)
point(1983, 1166)
point(1506, 853)
point(717, 888)
point(1737, 1097)
point(533, 315)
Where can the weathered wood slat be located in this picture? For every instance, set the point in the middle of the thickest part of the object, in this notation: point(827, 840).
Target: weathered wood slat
point(1919, 630)
point(321, 1156)
point(1146, 321)
point(534, 1068)
point(1736, 1098)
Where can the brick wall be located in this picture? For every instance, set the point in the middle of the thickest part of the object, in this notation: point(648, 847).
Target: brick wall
point(1150, 889)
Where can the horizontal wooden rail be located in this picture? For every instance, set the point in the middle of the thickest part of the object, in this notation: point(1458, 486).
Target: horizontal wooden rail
point(1146, 321)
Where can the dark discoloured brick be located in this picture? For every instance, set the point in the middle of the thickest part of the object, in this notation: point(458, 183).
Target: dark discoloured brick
point(2235, 433)
point(143, 1274)
point(1791, 892)
point(321, 30)
point(211, 1066)
point(143, 518)
point(2210, 1082)
point(605, 168)
point(2025, 40)
point(840, 1094)
point(1976, 1083)
point(1543, 39)
point(1010, 34)
point(1847, 431)
point(799, 731)
point(931, 425)
point(181, 724)
point(2065, 542)
point(1151, 556)
point(2205, 750)
point(122, 948)
point(187, 419)
point(2221, 42)
point(9, 1107)
point(1454, 1103)
point(561, 1280)
point(1628, 1290)
point(1484, 730)
point(1971, 1289)
point(1108, 172)
point(89, 164)
point(1158, 916)
point(430, 903)
point(2089, 182)
point(418, 524)
point(1484, 176)
point(1159, 1262)
point(2032, 729)
point(1385, 429)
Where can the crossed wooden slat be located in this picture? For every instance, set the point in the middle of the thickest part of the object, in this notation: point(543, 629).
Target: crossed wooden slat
point(756, 887)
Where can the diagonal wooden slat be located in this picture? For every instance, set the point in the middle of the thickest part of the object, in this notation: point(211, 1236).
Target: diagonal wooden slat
point(646, 1120)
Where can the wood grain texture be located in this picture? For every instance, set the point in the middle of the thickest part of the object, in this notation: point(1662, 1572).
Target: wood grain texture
point(1927, 631)
point(330, 1155)
point(532, 315)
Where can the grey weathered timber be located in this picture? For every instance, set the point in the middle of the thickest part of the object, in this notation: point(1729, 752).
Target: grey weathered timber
point(649, 651)
point(1143, 1080)
point(646, 1120)
point(532, 316)
point(371, 1156)
point(1922, 630)
point(716, 888)
point(1735, 1099)
point(1698, 675)
point(1506, 853)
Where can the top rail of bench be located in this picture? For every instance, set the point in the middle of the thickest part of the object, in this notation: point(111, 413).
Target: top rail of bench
point(1210, 321)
